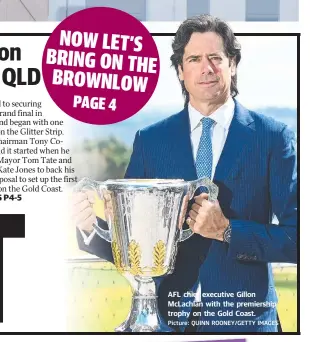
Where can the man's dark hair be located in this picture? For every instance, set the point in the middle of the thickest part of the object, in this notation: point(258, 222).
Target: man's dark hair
point(201, 24)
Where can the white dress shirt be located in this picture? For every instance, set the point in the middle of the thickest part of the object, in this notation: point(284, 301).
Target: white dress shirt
point(87, 239)
point(222, 117)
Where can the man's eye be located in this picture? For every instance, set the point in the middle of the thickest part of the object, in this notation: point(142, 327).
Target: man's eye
point(216, 58)
point(193, 59)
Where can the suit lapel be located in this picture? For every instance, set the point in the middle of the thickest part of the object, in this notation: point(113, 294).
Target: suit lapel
point(237, 139)
point(182, 151)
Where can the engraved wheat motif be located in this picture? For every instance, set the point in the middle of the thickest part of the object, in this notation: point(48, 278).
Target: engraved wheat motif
point(159, 254)
point(117, 257)
point(134, 254)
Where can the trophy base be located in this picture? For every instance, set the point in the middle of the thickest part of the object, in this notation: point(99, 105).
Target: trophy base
point(144, 315)
point(128, 327)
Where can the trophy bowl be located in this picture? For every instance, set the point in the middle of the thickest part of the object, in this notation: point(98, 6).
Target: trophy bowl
point(145, 219)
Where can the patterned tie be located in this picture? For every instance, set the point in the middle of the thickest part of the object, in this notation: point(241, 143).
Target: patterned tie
point(204, 154)
point(204, 169)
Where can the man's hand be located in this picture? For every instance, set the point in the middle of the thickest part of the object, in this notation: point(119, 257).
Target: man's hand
point(207, 219)
point(82, 212)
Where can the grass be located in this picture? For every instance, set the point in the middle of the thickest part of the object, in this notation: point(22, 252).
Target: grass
point(286, 286)
point(99, 298)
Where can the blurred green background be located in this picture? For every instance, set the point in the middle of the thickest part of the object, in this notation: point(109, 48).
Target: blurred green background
point(100, 159)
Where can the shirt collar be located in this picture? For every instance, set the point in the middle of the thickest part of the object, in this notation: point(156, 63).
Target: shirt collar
point(222, 116)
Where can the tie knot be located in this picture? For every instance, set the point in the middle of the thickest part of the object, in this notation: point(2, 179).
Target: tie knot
point(207, 123)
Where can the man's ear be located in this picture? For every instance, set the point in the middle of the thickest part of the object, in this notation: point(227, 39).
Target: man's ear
point(233, 66)
point(180, 73)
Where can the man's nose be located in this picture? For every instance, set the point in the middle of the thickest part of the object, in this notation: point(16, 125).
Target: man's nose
point(207, 67)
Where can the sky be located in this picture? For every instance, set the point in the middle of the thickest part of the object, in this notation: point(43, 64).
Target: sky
point(267, 74)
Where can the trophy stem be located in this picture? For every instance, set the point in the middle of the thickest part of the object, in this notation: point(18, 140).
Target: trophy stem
point(144, 315)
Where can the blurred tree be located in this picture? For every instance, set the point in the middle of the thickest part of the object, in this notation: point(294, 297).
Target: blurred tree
point(100, 159)
point(117, 156)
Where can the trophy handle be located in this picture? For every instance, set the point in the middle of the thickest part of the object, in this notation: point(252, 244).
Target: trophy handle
point(193, 186)
point(88, 184)
point(206, 183)
point(186, 234)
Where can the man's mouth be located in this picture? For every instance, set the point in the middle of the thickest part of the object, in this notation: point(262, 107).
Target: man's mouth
point(208, 82)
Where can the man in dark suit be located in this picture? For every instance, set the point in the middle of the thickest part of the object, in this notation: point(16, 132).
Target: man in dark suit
point(251, 158)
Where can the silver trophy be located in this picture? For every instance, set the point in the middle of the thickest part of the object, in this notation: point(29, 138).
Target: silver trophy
point(145, 219)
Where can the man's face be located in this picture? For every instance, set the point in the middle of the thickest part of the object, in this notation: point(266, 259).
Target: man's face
point(206, 70)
